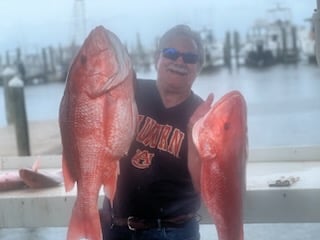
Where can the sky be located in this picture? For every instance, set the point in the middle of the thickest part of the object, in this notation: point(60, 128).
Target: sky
point(33, 24)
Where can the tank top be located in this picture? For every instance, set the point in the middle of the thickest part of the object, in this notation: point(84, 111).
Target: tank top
point(154, 180)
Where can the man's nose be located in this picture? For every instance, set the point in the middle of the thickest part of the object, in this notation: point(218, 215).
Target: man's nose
point(180, 59)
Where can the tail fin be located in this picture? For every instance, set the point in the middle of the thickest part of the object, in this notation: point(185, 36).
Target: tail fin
point(84, 224)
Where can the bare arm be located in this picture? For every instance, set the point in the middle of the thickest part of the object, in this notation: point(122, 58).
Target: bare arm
point(194, 163)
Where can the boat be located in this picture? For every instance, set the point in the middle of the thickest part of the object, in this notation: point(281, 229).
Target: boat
point(307, 42)
point(213, 50)
point(272, 40)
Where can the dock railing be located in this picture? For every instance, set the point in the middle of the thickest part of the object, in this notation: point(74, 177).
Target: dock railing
point(296, 203)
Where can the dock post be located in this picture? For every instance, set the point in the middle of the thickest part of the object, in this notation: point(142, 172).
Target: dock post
point(295, 47)
point(227, 51)
point(16, 90)
point(236, 44)
point(7, 58)
point(52, 61)
point(8, 74)
point(45, 65)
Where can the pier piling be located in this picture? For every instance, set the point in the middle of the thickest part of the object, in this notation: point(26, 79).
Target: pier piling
point(7, 74)
point(16, 94)
point(227, 50)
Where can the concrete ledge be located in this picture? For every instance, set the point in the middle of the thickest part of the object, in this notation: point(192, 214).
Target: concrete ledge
point(263, 204)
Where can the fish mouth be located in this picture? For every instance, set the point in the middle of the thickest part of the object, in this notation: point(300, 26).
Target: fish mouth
point(231, 98)
point(178, 69)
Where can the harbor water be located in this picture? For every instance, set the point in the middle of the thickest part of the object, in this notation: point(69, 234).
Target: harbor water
point(283, 101)
point(283, 110)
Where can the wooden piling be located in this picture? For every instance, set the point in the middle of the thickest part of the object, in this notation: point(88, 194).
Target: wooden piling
point(236, 45)
point(7, 74)
point(16, 90)
point(295, 46)
point(18, 51)
point(52, 61)
point(45, 65)
point(7, 58)
point(284, 43)
point(227, 50)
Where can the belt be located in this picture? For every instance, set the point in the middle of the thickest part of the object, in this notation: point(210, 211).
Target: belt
point(135, 223)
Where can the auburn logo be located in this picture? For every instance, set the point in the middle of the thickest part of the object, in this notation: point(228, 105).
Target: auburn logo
point(142, 159)
point(163, 137)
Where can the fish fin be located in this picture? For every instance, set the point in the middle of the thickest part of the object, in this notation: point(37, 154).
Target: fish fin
point(36, 165)
point(84, 224)
point(110, 183)
point(68, 179)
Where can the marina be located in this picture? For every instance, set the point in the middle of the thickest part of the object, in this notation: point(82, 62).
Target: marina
point(283, 108)
point(271, 61)
point(283, 101)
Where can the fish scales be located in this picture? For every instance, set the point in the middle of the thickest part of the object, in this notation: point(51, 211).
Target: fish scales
point(221, 141)
point(98, 118)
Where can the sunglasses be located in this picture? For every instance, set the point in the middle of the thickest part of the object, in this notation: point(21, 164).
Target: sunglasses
point(174, 54)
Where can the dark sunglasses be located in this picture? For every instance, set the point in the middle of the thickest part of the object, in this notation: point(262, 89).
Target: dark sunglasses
point(174, 54)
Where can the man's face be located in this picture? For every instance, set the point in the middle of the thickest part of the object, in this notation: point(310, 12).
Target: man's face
point(176, 74)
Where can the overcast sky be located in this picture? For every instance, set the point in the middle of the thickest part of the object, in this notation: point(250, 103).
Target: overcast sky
point(31, 24)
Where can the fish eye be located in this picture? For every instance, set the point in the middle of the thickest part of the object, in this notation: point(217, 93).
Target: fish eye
point(226, 125)
point(83, 59)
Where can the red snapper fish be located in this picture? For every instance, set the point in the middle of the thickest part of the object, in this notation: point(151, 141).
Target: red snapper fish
point(29, 177)
point(98, 118)
point(220, 138)
point(11, 181)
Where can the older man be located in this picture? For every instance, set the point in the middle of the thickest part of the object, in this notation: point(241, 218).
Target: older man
point(157, 196)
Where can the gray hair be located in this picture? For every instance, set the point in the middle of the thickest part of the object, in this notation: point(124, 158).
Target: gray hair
point(182, 30)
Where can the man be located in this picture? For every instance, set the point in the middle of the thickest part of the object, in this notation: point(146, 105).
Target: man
point(157, 193)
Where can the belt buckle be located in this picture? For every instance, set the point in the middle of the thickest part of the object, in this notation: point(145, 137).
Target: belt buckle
point(129, 221)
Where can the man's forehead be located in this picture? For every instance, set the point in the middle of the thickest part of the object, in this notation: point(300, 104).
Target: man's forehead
point(178, 38)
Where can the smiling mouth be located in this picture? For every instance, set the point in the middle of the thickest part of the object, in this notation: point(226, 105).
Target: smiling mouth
point(178, 69)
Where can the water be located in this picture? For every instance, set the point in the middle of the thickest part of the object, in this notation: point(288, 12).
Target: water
point(283, 101)
point(283, 109)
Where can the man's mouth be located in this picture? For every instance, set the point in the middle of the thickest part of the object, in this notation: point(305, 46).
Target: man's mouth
point(178, 69)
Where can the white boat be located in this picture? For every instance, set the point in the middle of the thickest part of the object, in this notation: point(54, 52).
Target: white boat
point(306, 38)
point(272, 40)
point(213, 49)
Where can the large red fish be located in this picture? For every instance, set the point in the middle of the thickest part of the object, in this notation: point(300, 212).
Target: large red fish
point(221, 140)
point(97, 122)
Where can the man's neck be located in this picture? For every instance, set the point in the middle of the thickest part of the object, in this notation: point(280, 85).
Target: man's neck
point(171, 98)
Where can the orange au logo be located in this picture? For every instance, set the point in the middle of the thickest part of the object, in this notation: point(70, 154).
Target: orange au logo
point(142, 159)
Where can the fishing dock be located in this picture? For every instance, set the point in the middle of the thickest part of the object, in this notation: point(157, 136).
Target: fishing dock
point(297, 202)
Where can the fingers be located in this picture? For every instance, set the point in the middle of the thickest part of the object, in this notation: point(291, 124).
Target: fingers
point(209, 99)
point(206, 105)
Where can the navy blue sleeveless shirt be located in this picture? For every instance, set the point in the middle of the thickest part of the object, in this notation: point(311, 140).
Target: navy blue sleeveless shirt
point(154, 180)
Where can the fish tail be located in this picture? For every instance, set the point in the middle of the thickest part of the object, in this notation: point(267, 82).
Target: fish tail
point(84, 224)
